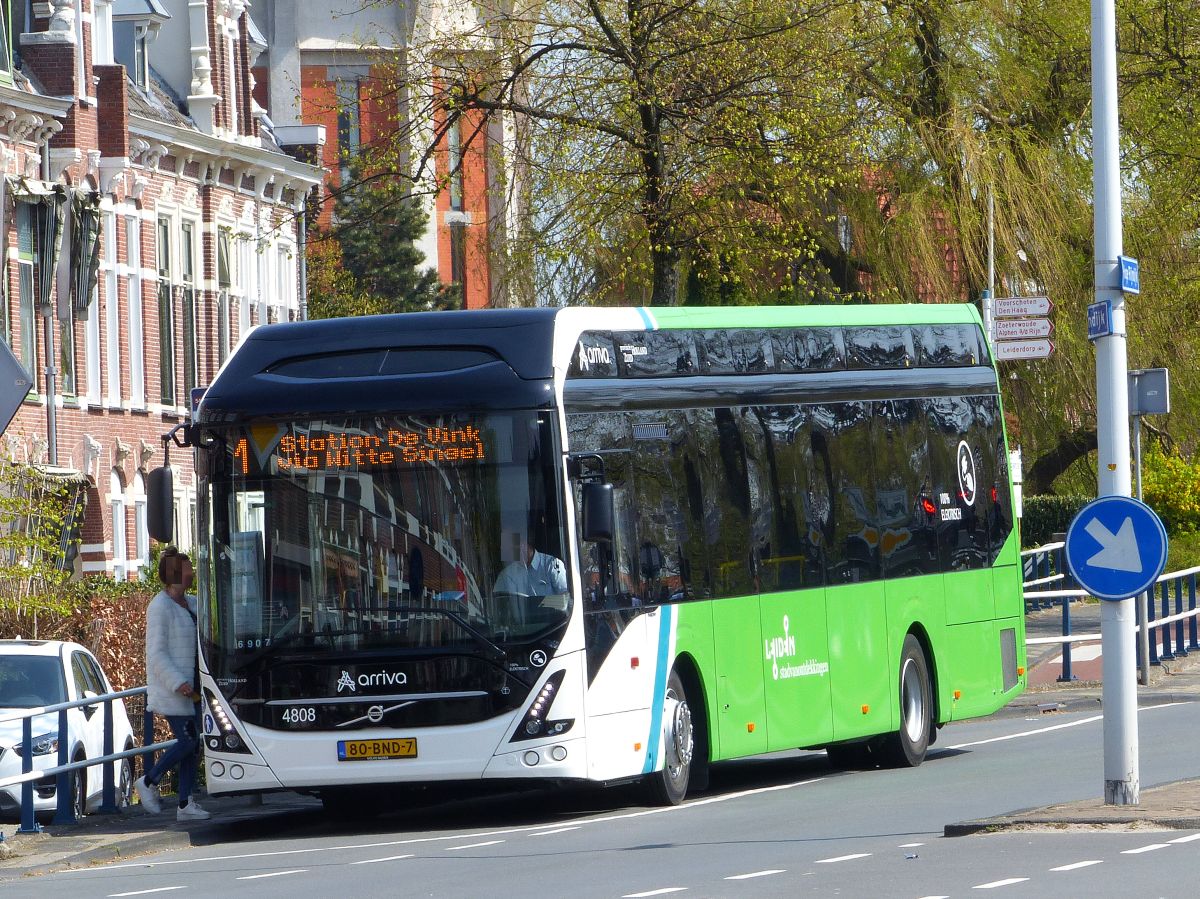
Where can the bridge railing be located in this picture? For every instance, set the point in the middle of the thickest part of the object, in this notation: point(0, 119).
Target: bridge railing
point(65, 810)
point(1172, 613)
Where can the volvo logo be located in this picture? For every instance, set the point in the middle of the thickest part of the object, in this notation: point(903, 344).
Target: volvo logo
point(375, 714)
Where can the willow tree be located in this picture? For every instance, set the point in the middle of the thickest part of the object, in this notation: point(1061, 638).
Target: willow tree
point(993, 97)
point(645, 133)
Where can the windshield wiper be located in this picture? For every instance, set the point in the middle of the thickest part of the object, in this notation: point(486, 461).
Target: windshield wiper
point(496, 651)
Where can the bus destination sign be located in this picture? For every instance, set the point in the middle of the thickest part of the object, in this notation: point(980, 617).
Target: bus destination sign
point(387, 448)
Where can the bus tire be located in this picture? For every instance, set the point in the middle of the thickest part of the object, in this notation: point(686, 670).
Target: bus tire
point(907, 746)
point(670, 785)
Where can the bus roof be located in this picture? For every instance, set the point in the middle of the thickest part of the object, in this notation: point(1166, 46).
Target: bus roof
point(494, 358)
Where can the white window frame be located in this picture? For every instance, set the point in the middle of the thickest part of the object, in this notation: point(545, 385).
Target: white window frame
point(112, 310)
point(117, 509)
point(102, 33)
point(91, 349)
point(137, 321)
point(141, 532)
point(248, 283)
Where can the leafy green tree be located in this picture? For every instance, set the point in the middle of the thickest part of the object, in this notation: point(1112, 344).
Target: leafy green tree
point(367, 262)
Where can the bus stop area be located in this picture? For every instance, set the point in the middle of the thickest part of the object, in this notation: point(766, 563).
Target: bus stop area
point(105, 839)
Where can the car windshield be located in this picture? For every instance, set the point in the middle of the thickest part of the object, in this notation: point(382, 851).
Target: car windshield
point(28, 682)
point(389, 532)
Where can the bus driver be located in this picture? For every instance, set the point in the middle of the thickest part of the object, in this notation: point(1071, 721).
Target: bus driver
point(533, 573)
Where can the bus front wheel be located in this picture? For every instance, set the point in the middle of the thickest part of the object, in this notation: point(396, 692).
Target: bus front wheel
point(669, 786)
point(906, 747)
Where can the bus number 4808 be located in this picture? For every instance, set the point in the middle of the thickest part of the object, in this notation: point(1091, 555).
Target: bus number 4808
point(299, 715)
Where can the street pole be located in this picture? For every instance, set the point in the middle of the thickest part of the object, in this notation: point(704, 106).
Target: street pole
point(1143, 599)
point(989, 295)
point(1119, 695)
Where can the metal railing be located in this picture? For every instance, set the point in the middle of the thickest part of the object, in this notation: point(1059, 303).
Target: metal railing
point(65, 810)
point(1046, 564)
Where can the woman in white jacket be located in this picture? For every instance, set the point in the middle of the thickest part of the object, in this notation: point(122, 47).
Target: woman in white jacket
point(171, 681)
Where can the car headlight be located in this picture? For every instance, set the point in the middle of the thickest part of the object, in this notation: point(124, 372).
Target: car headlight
point(44, 744)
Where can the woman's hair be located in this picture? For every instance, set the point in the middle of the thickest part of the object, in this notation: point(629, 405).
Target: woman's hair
point(170, 566)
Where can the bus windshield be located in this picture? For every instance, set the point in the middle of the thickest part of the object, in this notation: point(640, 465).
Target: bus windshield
point(346, 534)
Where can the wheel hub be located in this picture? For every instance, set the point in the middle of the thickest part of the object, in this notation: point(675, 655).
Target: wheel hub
point(680, 742)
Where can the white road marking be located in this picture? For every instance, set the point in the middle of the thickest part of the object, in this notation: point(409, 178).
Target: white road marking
point(144, 892)
point(661, 892)
point(472, 845)
point(1086, 652)
point(841, 858)
point(1007, 882)
point(1046, 730)
point(935, 897)
point(390, 858)
point(641, 813)
point(758, 874)
point(273, 874)
point(909, 845)
point(546, 833)
point(1142, 849)
point(1029, 733)
point(1187, 839)
point(1076, 865)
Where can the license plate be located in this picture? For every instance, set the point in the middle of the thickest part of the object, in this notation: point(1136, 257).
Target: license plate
point(368, 750)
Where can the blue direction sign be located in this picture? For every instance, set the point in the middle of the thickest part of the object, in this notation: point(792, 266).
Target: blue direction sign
point(1131, 279)
point(1116, 547)
point(1099, 320)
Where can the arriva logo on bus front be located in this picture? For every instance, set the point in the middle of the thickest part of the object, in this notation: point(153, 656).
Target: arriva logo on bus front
point(379, 679)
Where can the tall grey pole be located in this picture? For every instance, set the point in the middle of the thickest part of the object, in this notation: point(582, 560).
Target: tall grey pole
point(1143, 599)
point(989, 295)
point(1121, 779)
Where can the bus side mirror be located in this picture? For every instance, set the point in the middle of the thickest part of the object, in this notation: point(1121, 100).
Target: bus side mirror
point(160, 505)
point(598, 512)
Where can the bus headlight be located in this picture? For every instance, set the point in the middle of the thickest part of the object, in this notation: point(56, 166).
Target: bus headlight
point(227, 739)
point(537, 721)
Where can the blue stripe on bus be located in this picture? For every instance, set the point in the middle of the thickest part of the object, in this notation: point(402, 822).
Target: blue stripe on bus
point(661, 671)
point(647, 318)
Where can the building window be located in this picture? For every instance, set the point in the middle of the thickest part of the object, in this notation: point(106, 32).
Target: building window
point(116, 505)
point(133, 295)
point(26, 256)
point(224, 284)
point(166, 315)
point(349, 137)
point(112, 311)
point(102, 34)
point(66, 347)
point(5, 46)
point(187, 262)
point(91, 348)
point(458, 257)
point(246, 279)
point(141, 532)
point(454, 164)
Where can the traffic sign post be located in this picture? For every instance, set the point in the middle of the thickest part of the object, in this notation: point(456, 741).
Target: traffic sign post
point(1131, 276)
point(1021, 328)
point(1099, 318)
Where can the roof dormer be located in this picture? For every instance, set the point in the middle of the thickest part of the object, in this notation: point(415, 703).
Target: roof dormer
point(135, 25)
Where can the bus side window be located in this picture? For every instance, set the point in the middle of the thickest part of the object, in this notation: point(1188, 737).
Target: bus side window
point(949, 419)
point(853, 551)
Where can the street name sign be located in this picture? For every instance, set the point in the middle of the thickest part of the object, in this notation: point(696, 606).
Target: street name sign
point(1021, 328)
point(1021, 307)
point(1009, 350)
point(1116, 547)
point(1100, 320)
point(1131, 278)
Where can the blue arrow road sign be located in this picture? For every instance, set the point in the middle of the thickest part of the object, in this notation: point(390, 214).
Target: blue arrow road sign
point(1131, 279)
point(1116, 547)
point(1099, 320)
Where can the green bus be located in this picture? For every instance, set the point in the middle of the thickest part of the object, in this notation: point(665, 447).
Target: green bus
point(599, 544)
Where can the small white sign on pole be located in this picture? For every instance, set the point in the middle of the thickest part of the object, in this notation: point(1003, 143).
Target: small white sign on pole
point(1010, 350)
point(1017, 307)
point(1021, 328)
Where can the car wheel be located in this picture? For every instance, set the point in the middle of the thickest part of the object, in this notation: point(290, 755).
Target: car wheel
point(124, 782)
point(78, 787)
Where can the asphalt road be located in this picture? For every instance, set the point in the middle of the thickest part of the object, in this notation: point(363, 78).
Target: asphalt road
point(783, 825)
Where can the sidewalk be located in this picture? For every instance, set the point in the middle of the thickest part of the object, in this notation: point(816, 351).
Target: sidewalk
point(106, 838)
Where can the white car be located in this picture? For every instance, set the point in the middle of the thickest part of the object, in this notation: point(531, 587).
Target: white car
point(35, 673)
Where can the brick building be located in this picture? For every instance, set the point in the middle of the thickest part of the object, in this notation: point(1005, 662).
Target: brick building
point(341, 57)
point(129, 131)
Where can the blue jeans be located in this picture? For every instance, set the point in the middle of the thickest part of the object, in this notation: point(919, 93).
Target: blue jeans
point(185, 753)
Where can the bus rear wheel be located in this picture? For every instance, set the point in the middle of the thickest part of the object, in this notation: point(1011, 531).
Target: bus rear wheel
point(906, 747)
point(669, 786)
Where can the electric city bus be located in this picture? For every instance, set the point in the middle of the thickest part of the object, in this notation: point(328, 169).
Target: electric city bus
point(598, 545)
